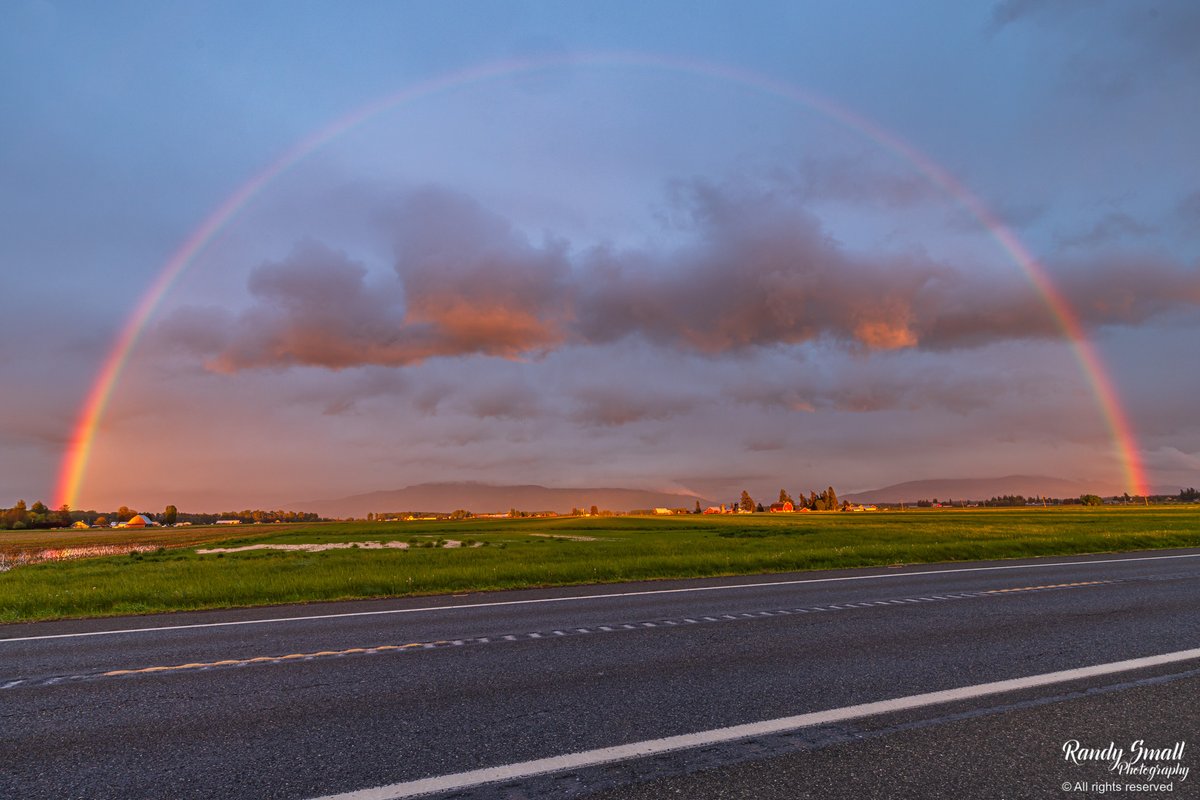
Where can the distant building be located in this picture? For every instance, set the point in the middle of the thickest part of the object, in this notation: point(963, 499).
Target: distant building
point(80, 524)
point(715, 510)
point(138, 521)
point(782, 508)
point(229, 522)
point(665, 511)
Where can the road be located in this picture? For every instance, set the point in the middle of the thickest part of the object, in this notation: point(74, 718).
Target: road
point(824, 677)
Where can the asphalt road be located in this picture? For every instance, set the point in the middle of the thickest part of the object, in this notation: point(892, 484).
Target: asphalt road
point(312, 701)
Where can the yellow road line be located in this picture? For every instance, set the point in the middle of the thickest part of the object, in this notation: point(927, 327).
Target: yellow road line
point(1045, 586)
point(229, 662)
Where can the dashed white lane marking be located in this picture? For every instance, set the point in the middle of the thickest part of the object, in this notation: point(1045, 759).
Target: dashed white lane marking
point(514, 637)
point(604, 596)
point(651, 747)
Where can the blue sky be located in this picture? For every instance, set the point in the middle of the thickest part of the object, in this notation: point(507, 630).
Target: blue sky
point(599, 272)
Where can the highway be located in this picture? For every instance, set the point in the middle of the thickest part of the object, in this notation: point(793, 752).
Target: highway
point(948, 680)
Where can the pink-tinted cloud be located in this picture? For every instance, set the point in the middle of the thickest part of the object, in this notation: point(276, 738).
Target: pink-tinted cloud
point(758, 271)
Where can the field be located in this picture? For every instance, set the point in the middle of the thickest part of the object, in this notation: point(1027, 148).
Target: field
point(506, 554)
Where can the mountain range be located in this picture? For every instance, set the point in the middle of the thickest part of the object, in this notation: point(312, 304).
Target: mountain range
point(487, 498)
point(976, 489)
point(482, 498)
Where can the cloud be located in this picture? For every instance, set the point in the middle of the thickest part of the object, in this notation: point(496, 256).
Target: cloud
point(1112, 227)
point(611, 407)
point(511, 402)
point(1007, 12)
point(762, 271)
point(884, 387)
point(470, 285)
point(1172, 458)
point(858, 180)
point(1112, 48)
point(756, 269)
point(1013, 214)
point(1188, 212)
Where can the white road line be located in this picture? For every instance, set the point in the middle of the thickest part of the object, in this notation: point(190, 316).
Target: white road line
point(651, 747)
point(575, 598)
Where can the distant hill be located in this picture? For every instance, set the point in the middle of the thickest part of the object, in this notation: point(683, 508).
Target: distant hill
point(484, 498)
point(977, 489)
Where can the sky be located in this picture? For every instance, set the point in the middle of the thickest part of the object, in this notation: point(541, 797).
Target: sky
point(677, 246)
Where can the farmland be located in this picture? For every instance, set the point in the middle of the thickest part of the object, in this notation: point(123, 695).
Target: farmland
point(431, 557)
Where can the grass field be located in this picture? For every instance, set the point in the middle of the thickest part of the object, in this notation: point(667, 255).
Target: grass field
point(15, 543)
point(505, 554)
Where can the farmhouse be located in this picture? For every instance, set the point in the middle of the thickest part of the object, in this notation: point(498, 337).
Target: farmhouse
point(715, 510)
point(782, 508)
point(80, 524)
point(138, 521)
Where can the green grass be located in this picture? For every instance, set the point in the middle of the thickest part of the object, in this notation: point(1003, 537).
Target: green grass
point(625, 548)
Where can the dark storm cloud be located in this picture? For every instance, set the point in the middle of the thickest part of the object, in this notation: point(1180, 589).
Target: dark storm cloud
point(757, 270)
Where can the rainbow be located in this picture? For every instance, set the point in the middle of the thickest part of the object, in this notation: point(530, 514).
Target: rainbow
point(75, 460)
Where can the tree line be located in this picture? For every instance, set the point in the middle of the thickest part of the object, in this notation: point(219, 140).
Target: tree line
point(20, 516)
point(39, 517)
point(825, 501)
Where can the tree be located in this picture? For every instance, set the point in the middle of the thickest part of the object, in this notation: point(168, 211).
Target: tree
point(698, 509)
point(595, 511)
point(16, 515)
point(125, 513)
point(831, 499)
point(759, 508)
point(1090, 499)
point(784, 497)
point(812, 501)
point(746, 502)
point(101, 520)
point(169, 515)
